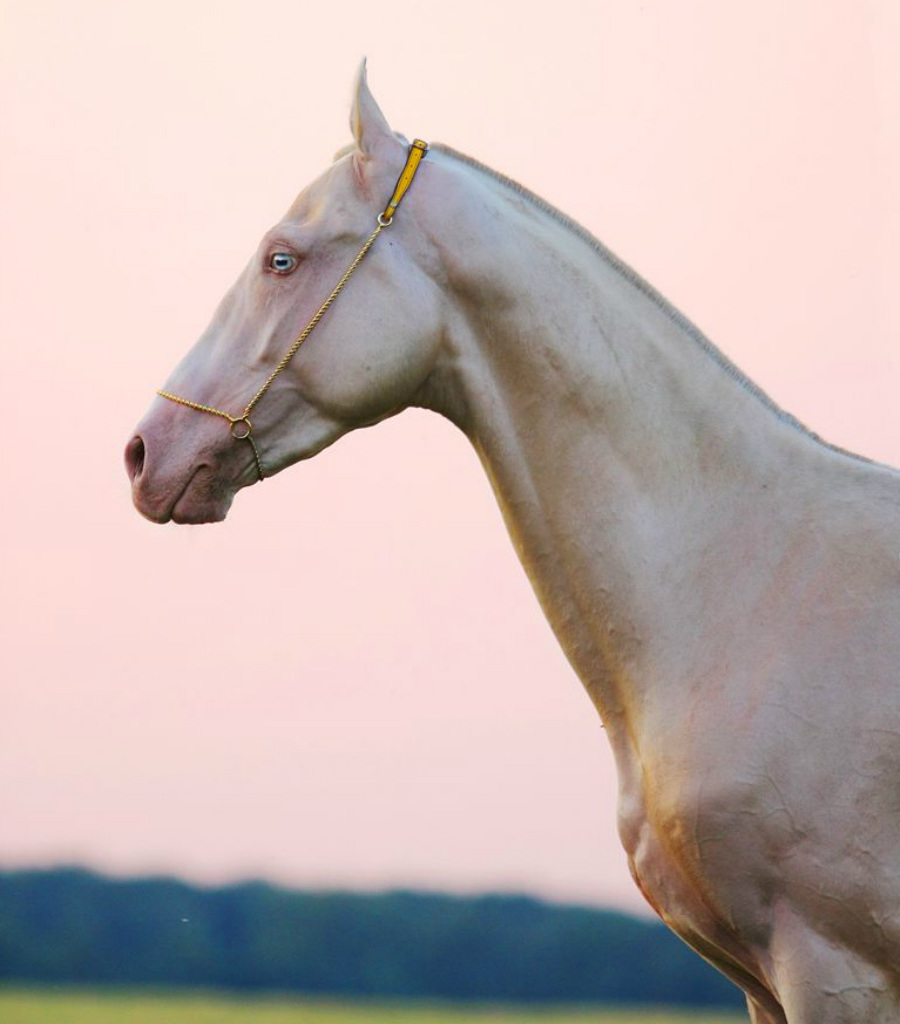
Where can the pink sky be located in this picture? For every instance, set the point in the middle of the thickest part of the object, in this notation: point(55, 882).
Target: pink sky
point(349, 682)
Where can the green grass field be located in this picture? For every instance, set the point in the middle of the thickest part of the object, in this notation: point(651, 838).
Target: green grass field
point(53, 1006)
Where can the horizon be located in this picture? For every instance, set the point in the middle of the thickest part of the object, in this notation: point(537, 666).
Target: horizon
point(208, 885)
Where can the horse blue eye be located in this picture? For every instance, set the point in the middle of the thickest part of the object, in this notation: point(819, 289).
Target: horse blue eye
point(283, 262)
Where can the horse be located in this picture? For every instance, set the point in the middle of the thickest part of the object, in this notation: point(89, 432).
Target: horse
point(725, 583)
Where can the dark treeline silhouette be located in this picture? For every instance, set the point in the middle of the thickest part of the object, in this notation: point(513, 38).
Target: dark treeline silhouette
point(70, 926)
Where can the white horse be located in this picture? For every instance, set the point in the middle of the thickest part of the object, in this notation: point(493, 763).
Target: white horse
point(726, 584)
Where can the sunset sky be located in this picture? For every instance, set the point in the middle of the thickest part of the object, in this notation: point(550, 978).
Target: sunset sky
point(350, 683)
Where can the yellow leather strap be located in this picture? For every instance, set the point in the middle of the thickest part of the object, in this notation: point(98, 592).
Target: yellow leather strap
point(417, 150)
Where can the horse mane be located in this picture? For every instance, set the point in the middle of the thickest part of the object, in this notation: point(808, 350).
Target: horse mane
point(646, 289)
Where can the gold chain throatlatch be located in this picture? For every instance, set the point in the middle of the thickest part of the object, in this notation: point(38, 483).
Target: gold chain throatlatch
point(241, 427)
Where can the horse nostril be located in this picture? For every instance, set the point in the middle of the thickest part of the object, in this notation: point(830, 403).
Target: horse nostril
point(134, 458)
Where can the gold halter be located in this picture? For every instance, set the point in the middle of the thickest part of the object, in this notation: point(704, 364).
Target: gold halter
point(241, 427)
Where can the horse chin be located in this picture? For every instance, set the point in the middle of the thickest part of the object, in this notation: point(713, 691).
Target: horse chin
point(190, 512)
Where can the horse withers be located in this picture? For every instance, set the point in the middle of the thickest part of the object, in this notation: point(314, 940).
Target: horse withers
point(725, 583)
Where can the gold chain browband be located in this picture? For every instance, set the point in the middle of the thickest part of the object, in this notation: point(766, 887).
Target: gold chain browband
point(241, 427)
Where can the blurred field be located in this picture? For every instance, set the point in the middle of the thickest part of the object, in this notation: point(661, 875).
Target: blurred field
point(51, 1006)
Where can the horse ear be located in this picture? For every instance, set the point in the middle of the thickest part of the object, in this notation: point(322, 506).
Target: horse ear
point(368, 124)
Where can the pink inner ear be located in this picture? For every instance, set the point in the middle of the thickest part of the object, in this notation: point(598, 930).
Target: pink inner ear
point(359, 173)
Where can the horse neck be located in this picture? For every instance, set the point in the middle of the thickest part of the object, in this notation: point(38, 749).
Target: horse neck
point(633, 470)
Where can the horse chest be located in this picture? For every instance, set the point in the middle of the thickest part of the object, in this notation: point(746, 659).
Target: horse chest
point(698, 859)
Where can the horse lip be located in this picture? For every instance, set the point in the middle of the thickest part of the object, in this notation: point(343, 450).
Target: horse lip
point(154, 517)
point(174, 515)
point(213, 511)
point(150, 512)
point(159, 513)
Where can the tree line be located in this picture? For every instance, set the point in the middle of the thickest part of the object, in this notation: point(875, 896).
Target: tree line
point(71, 926)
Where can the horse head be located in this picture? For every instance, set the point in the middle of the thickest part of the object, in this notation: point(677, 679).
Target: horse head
point(364, 362)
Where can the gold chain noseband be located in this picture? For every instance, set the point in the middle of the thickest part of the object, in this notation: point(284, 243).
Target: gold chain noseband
point(241, 427)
